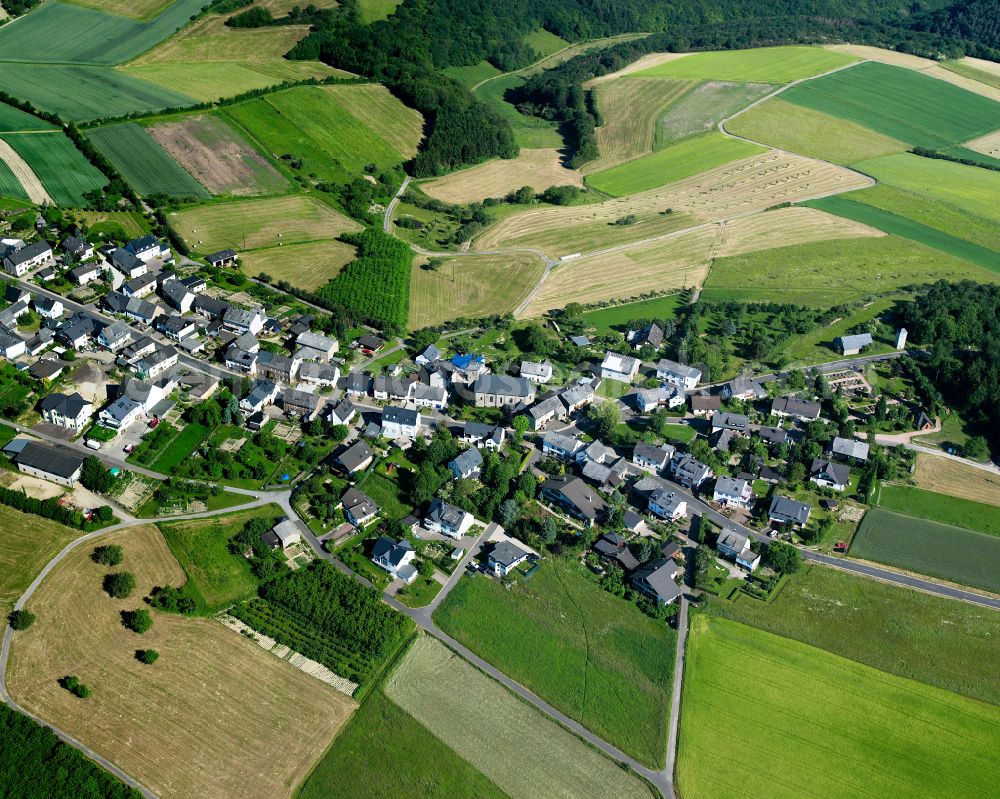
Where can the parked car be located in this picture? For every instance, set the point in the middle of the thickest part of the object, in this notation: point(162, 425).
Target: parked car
point(93, 444)
point(128, 449)
point(154, 422)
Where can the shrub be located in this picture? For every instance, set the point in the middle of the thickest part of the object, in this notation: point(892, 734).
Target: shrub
point(147, 656)
point(119, 584)
point(107, 555)
point(74, 686)
point(138, 621)
point(20, 619)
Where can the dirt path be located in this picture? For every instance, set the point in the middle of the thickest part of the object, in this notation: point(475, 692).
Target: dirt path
point(25, 175)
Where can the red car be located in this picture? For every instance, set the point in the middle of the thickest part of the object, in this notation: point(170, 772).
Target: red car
point(128, 449)
point(840, 546)
point(154, 422)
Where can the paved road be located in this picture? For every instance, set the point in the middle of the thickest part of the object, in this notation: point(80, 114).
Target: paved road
point(391, 208)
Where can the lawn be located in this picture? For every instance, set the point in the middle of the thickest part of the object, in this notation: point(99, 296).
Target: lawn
point(939, 550)
point(471, 287)
point(801, 716)
point(761, 65)
point(143, 162)
point(115, 224)
point(900, 103)
point(387, 495)
point(250, 224)
point(607, 321)
point(813, 133)
point(947, 476)
point(595, 657)
point(940, 508)
point(830, 272)
point(491, 728)
point(306, 266)
point(14, 119)
point(416, 764)
point(61, 168)
point(180, 449)
point(27, 544)
point(214, 577)
point(215, 716)
point(704, 107)
point(674, 162)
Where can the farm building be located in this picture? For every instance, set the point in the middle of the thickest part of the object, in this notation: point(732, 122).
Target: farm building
point(40, 460)
point(852, 345)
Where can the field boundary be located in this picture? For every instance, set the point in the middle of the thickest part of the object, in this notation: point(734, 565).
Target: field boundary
point(24, 174)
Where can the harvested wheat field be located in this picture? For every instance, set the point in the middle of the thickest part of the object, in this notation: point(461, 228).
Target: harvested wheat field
point(987, 145)
point(892, 57)
point(219, 157)
point(736, 189)
point(678, 261)
point(306, 266)
point(399, 126)
point(947, 476)
point(647, 61)
point(24, 175)
point(784, 227)
point(215, 716)
point(630, 108)
point(536, 168)
point(471, 286)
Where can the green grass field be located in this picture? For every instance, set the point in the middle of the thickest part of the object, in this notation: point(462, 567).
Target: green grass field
point(762, 65)
point(528, 131)
point(595, 657)
point(216, 578)
point(10, 186)
point(830, 272)
point(788, 715)
point(13, 120)
point(63, 170)
point(55, 32)
point(28, 542)
point(932, 548)
point(471, 76)
point(415, 764)
point(969, 71)
point(813, 133)
point(885, 626)
point(387, 495)
point(704, 107)
point(907, 228)
point(940, 508)
point(816, 346)
point(609, 320)
point(144, 163)
point(79, 92)
point(180, 449)
point(544, 43)
point(900, 103)
point(374, 10)
point(674, 162)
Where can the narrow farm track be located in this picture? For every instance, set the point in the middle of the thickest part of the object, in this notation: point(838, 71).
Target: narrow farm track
point(25, 175)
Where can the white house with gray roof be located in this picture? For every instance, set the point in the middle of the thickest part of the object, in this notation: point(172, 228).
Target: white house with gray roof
point(495, 391)
point(852, 345)
point(446, 519)
point(678, 374)
point(622, 368)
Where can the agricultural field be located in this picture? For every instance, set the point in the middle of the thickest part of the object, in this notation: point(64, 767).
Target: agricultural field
point(18, 179)
point(591, 655)
point(414, 764)
point(803, 716)
point(62, 169)
point(899, 103)
point(218, 156)
point(672, 262)
point(249, 224)
point(137, 9)
point(725, 192)
point(143, 162)
point(987, 145)
point(80, 92)
point(27, 544)
point(672, 163)
point(529, 132)
point(307, 266)
point(946, 476)
point(813, 133)
point(115, 224)
point(882, 625)
point(14, 120)
point(784, 227)
point(630, 108)
point(214, 577)
point(704, 107)
point(761, 65)
point(925, 547)
point(940, 508)
point(471, 286)
point(269, 721)
point(830, 272)
point(539, 169)
point(88, 36)
point(616, 318)
point(473, 75)
point(372, 103)
point(976, 69)
point(491, 728)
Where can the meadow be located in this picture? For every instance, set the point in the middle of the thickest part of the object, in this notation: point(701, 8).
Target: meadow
point(211, 150)
point(544, 43)
point(674, 162)
point(491, 728)
point(214, 577)
point(538, 169)
point(616, 318)
point(307, 266)
point(783, 227)
point(704, 107)
point(816, 346)
point(115, 224)
point(374, 10)
point(472, 75)
point(416, 764)
point(801, 716)
point(947, 476)
point(180, 448)
point(13, 120)
point(940, 508)
point(61, 168)
point(899, 103)
point(830, 272)
point(373, 105)
point(932, 548)
point(760, 65)
point(269, 722)
point(813, 133)
point(207, 81)
point(530, 132)
point(147, 167)
point(593, 656)
point(249, 224)
point(82, 93)
point(967, 68)
point(27, 544)
point(471, 286)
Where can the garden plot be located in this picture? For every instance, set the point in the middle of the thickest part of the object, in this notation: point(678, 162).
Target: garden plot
point(539, 169)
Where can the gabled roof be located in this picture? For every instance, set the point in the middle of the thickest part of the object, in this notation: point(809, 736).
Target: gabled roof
point(675, 368)
point(658, 575)
point(650, 453)
point(355, 455)
point(587, 501)
point(400, 416)
point(786, 509)
point(850, 447)
point(841, 473)
point(444, 513)
point(504, 386)
point(48, 459)
point(359, 503)
point(468, 460)
point(795, 407)
point(855, 342)
point(66, 405)
point(507, 553)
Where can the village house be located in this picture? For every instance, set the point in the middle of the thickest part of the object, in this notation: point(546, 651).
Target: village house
point(301, 404)
point(544, 411)
point(327, 347)
point(177, 295)
point(343, 412)
point(689, 472)
point(651, 334)
point(48, 463)
point(667, 505)
point(241, 361)
point(240, 321)
point(649, 399)
point(356, 458)
point(400, 422)
point(785, 510)
point(678, 374)
point(127, 264)
point(85, 274)
point(146, 248)
point(194, 284)
point(613, 547)
point(850, 449)
point(622, 368)
point(221, 259)
point(495, 391)
point(176, 327)
point(262, 393)
point(79, 329)
point(396, 557)
point(704, 404)
point(49, 307)
point(561, 446)
point(156, 363)
point(70, 411)
point(424, 396)
point(386, 388)
point(505, 557)
point(736, 422)
point(790, 407)
point(743, 388)
point(657, 580)
point(574, 497)
point(650, 458)
point(736, 547)
point(279, 368)
point(78, 248)
point(140, 286)
point(19, 262)
point(359, 508)
point(358, 384)
point(467, 464)
point(141, 311)
point(580, 394)
point(121, 413)
point(733, 493)
point(536, 372)
point(282, 535)
point(318, 374)
point(115, 336)
point(828, 474)
point(447, 519)
point(428, 356)
point(483, 435)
